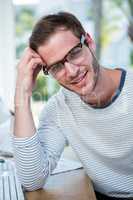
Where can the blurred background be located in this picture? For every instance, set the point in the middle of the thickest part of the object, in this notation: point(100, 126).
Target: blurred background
point(110, 23)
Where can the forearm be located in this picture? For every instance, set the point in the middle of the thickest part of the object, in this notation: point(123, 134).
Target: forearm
point(27, 72)
point(24, 125)
point(37, 156)
point(31, 162)
point(29, 157)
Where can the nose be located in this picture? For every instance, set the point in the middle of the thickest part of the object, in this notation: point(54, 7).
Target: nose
point(71, 69)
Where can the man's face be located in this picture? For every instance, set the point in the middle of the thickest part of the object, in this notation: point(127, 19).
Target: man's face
point(79, 77)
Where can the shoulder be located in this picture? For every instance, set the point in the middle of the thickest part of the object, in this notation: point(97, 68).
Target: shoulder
point(129, 75)
point(129, 70)
point(58, 103)
point(53, 105)
point(128, 85)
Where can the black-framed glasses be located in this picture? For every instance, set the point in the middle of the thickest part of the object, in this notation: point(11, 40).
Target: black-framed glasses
point(73, 56)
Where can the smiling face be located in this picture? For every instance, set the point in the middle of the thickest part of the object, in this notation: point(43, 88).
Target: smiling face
point(80, 77)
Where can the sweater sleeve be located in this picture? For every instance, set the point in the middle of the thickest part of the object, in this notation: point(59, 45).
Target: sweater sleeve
point(37, 156)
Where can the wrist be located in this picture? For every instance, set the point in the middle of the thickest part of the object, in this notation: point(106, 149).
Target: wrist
point(22, 99)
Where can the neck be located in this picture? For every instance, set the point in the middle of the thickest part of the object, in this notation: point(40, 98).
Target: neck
point(107, 83)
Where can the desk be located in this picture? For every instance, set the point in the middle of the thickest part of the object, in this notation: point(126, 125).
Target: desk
point(72, 185)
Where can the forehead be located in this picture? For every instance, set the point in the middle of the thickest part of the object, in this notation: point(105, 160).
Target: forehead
point(57, 46)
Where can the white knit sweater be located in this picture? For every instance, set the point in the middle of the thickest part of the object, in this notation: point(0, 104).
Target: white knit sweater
point(101, 138)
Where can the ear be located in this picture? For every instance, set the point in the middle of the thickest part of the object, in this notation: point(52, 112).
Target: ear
point(90, 41)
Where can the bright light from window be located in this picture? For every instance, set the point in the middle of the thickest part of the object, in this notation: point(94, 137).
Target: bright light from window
point(22, 2)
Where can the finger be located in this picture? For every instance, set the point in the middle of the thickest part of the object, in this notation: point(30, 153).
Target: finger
point(27, 56)
point(32, 66)
point(36, 72)
point(34, 63)
point(33, 52)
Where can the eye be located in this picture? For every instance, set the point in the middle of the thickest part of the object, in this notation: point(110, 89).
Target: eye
point(75, 53)
point(56, 68)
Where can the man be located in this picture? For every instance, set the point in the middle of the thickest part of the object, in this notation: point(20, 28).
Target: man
point(93, 111)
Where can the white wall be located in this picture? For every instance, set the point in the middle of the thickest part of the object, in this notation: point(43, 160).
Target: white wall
point(7, 51)
point(78, 7)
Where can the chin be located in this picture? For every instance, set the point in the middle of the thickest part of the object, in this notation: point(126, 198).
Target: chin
point(86, 90)
point(83, 91)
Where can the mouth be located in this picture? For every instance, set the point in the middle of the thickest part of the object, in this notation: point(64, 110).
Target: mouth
point(79, 78)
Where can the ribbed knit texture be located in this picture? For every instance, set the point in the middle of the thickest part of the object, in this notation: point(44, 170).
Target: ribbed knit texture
point(101, 138)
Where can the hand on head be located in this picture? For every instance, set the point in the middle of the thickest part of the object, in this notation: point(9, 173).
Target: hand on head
point(28, 68)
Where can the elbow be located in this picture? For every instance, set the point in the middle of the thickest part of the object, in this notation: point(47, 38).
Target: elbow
point(34, 184)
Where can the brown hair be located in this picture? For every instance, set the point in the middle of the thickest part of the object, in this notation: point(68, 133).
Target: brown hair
point(49, 24)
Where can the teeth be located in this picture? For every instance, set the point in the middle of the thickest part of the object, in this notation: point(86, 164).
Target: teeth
point(79, 79)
